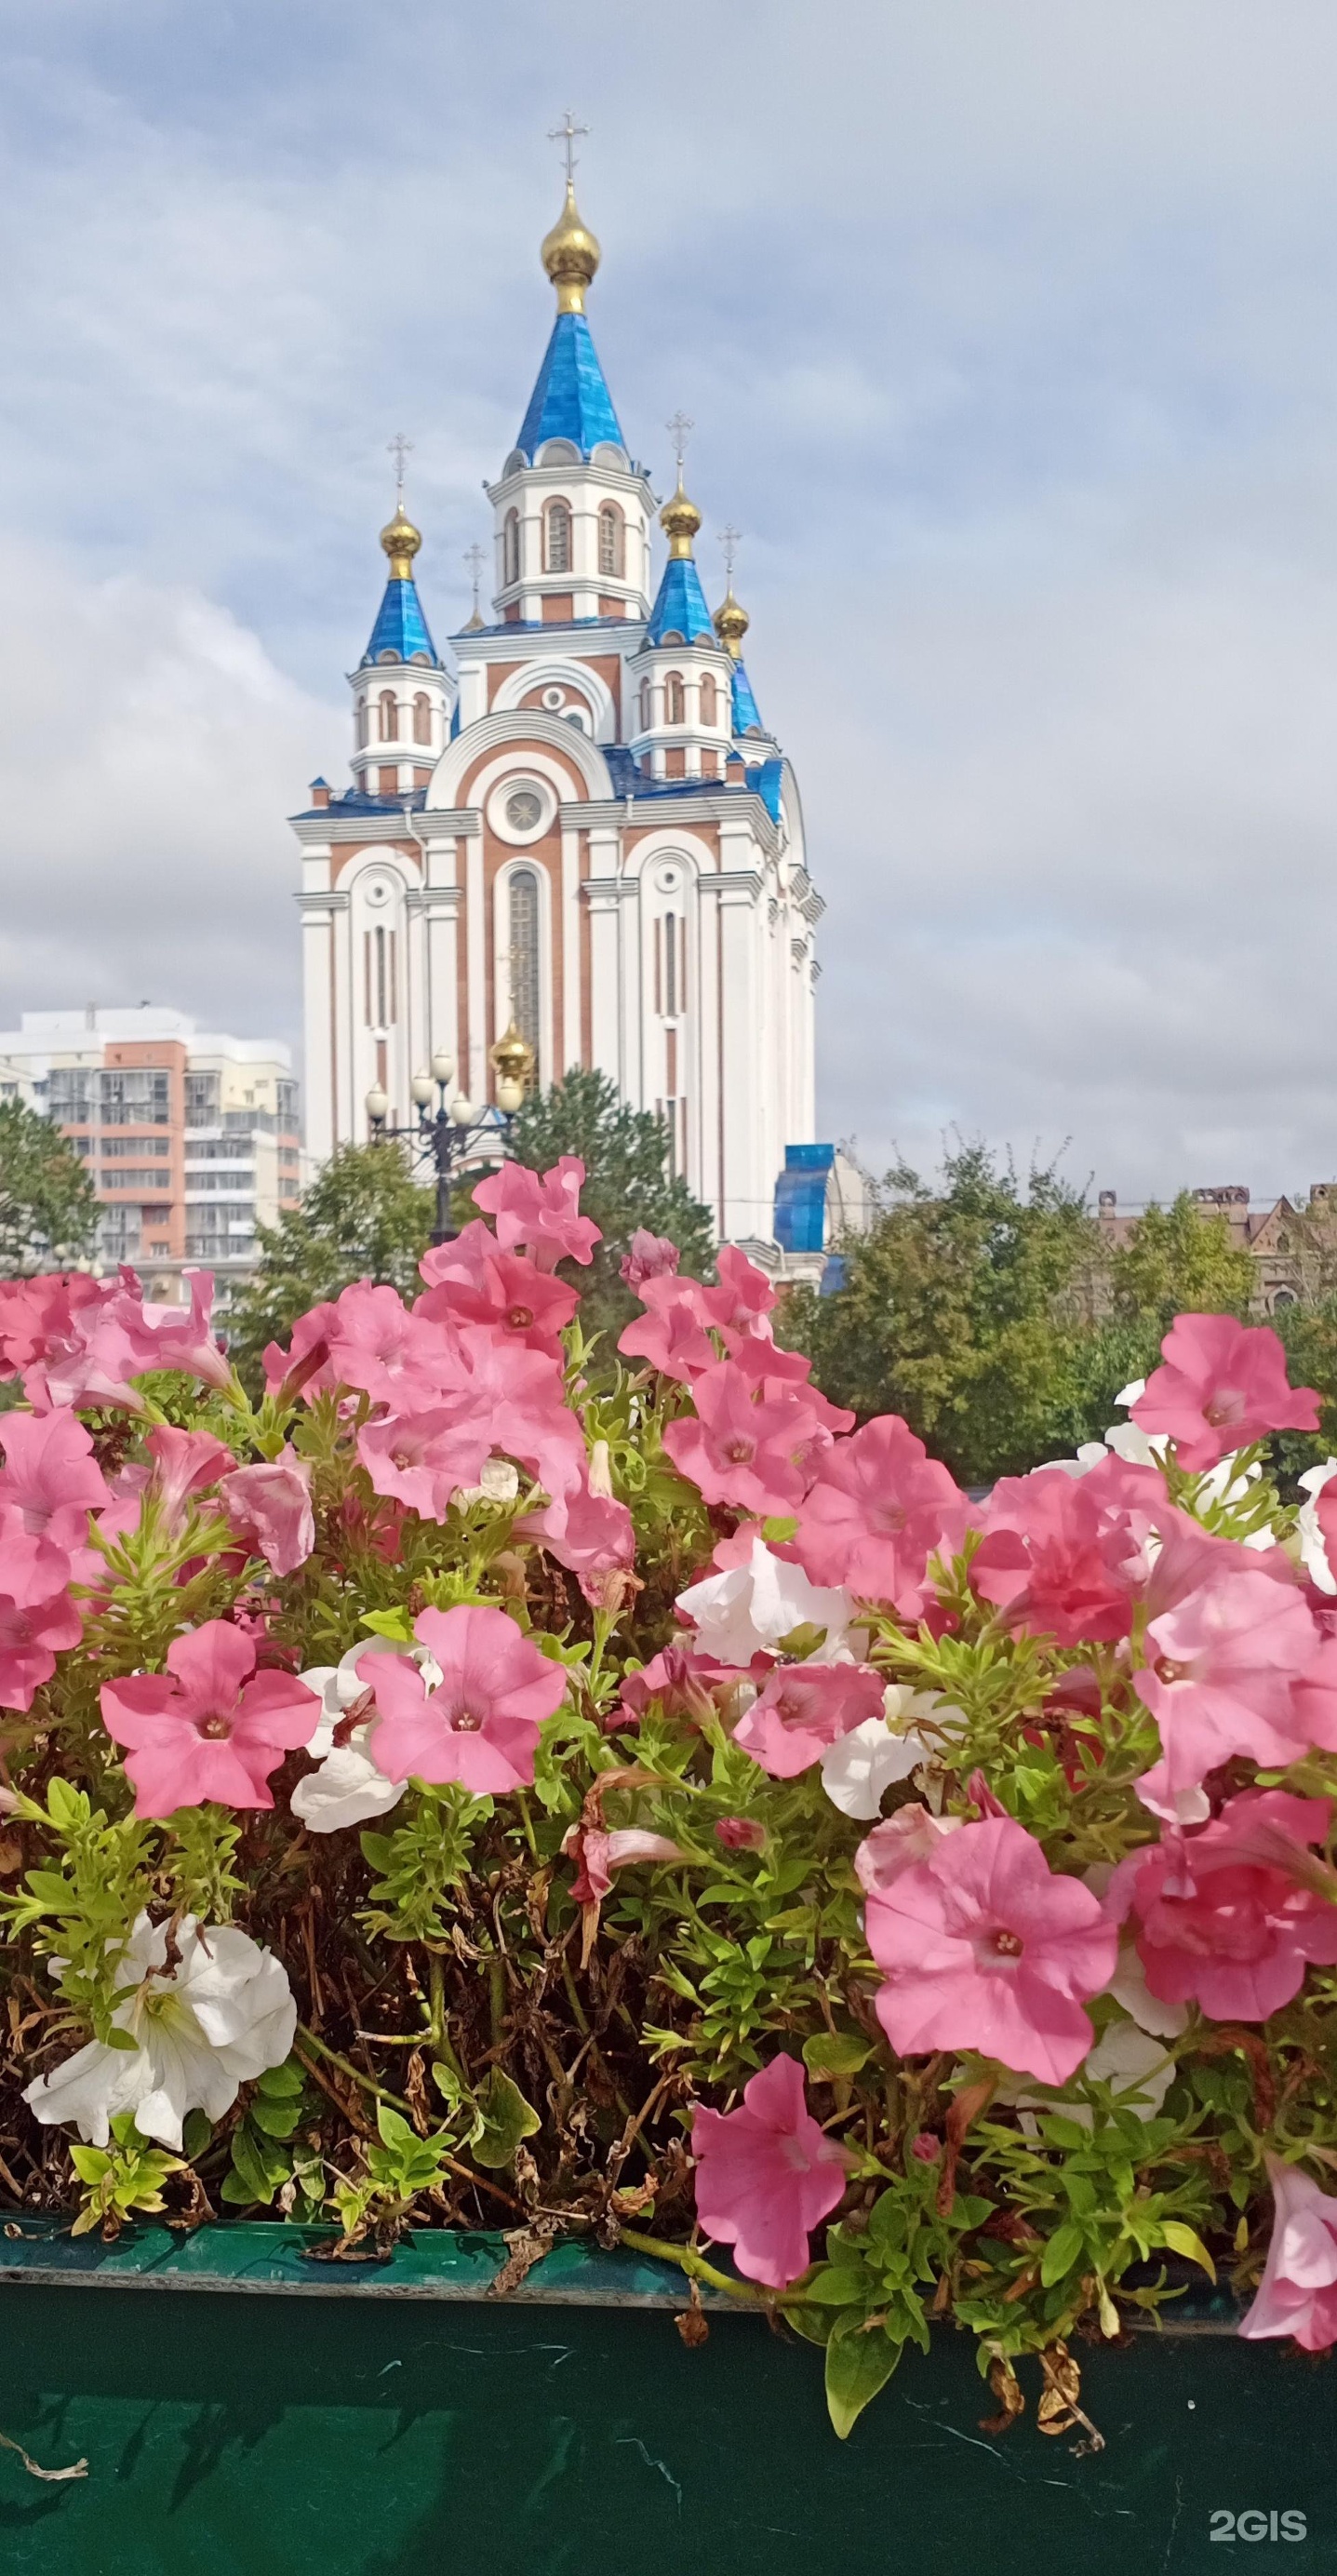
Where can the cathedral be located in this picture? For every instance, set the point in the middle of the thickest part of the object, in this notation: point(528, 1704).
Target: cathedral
point(585, 834)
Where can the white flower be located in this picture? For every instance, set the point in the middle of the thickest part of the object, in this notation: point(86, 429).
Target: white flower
point(1312, 1550)
point(347, 1788)
point(1123, 2056)
point(1092, 1453)
point(749, 1609)
point(223, 2014)
point(859, 1767)
point(499, 1483)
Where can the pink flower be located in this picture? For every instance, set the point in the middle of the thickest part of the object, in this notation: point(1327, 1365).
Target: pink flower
point(35, 1313)
point(740, 1833)
point(304, 1368)
point(651, 1256)
point(543, 1213)
point(878, 1509)
point(592, 1536)
point(204, 1729)
point(984, 1947)
point(597, 1854)
point(480, 1726)
point(743, 1299)
point(1053, 1559)
point(684, 1685)
point(766, 2175)
point(270, 1507)
point(38, 1617)
point(162, 1337)
point(803, 1708)
point(1219, 1681)
point(736, 1451)
point(375, 1344)
point(424, 1458)
point(901, 1842)
point(1297, 2294)
point(471, 1281)
point(1222, 1385)
point(1230, 1917)
point(184, 1463)
point(51, 1478)
point(671, 1334)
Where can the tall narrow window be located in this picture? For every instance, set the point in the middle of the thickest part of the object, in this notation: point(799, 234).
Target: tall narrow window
point(523, 908)
point(557, 537)
point(670, 969)
point(389, 717)
point(362, 726)
point(708, 701)
point(673, 699)
point(645, 706)
point(382, 994)
point(510, 547)
point(612, 541)
point(422, 719)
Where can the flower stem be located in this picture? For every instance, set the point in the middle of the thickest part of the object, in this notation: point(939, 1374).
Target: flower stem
point(698, 2269)
point(331, 2056)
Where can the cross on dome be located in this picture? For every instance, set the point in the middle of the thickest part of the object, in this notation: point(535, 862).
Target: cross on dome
point(568, 134)
point(399, 447)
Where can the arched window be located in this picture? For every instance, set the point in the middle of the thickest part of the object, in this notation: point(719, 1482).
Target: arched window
point(362, 724)
point(709, 708)
point(422, 719)
point(612, 541)
point(523, 907)
point(673, 699)
point(557, 537)
point(389, 717)
point(510, 547)
point(645, 706)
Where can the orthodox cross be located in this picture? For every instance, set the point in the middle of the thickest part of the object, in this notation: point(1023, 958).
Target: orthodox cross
point(680, 429)
point(568, 134)
point(473, 560)
point(399, 447)
point(730, 539)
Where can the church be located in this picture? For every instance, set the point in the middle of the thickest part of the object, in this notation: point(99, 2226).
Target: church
point(585, 833)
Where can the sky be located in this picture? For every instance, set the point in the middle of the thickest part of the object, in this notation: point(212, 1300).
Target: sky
point(1007, 334)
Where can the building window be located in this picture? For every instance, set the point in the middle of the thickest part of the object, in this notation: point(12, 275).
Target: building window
point(612, 541)
point(670, 966)
point(380, 999)
point(422, 719)
point(673, 699)
point(389, 718)
point(645, 706)
point(138, 1097)
point(510, 547)
point(557, 537)
point(362, 728)
point(522, 896)
point(709, 706)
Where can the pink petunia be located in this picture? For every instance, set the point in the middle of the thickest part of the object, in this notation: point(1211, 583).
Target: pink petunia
point(1219, 1681)
point(542, 1211)
point(1230, 1917)
point(650, 1256)
point(184, 1463)
point(671, 1334)
point(683, 1684)
point(766, 2175)
point(1221, 1386)
point(878, 1509)
point(163, 1337)
point(50, 1477)
point(423, 1459)
point(480, 1725)
point(984, 1947)
point(597, 1854)
point(472, 1281)
point(269, 1506)
point(803, 1708)
point(38, 1616)
point(304, 1368)
point(210, 1727)
point(743, 1299)
point(1297, 2294)
point(899, 1843)
point(592, 1536)
point(1053, 1560)
point(738, 1452)
point(394, 1356)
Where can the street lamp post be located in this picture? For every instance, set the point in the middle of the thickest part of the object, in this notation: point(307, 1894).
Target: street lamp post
point(447, 1135)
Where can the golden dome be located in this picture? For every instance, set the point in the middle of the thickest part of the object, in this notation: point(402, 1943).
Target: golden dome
point(680, 520)
point(570, 255)
point(401, 541)
point(731, 622)
point(512, 1056)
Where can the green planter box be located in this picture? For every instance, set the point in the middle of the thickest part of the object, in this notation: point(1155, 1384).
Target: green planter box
point(245, 2411)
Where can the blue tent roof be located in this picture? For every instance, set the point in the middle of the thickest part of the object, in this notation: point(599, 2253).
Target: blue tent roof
point(746, 713)
point(764, 782)
point(800, 1198)
point(570, 399)
point(401, 627)
point(680, 608)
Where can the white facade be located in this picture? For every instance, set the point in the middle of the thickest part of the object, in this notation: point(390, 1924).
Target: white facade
point(590, 832)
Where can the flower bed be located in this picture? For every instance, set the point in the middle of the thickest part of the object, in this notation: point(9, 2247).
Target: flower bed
point(484, 1783)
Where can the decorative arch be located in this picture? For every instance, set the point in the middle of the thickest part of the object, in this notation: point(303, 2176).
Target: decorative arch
point(587, 685)
point(471, 764)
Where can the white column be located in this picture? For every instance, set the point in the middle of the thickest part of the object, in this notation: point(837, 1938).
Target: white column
point(742, 1066)
point(473, 1076)
point(600, 895)
point(566, 1014)
point(319, 1073)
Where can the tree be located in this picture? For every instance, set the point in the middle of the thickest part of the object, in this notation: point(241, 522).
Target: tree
point(628, 1183)
point(48, 1206)
point(961, 1310)
point(363, 1217)
point(1178, 1261)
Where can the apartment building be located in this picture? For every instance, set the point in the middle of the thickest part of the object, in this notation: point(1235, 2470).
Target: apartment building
point(191, 1138)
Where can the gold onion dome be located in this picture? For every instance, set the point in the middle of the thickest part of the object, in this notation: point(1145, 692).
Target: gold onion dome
point(513, 1056)
point(401, 541)
point(731, 622)
point(680, 520)
point(570, 254)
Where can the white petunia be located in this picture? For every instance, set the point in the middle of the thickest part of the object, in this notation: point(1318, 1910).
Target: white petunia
point(348, 1788)
point(221, 2015)
point(1312, 1550)
point(860, 1767)
point(749, 1609)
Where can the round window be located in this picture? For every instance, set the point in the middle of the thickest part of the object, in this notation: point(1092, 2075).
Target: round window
point(554, 698)
point(523, 810)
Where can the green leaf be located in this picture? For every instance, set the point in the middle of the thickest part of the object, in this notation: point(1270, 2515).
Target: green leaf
point(261, 2174)
point(278, 2082)
point(1063, 2250)
point(277, 2119)
point(390, 1623)
point(777, 1531)
point(51, 1888)
point(506, 2117)
point(857, 2366)
point(1064, 2133)
point(834, 2288)
point(394, 2128)
point(196, 2131)
point(90, 2163)
point(65, 1806)
point(835, 2052)
point(1183, 2239)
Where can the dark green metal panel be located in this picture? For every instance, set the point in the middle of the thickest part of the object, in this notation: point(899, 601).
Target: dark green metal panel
point(395, 2424)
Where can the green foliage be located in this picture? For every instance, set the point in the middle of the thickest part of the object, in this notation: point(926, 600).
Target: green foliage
point(629, 1183)
point(1177, 1261)
point(47, 1200)
point(122, 2180)
point(81, 1910)
point(505, 2119)
point(364, 1216)
point(421, 1863)
point(397, 2171)
point(270, 2151)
